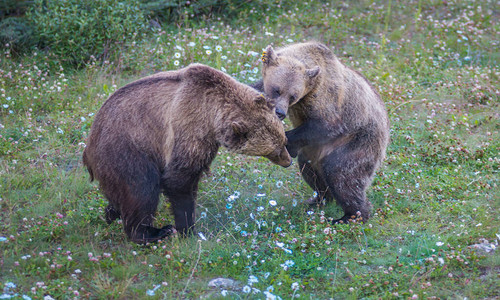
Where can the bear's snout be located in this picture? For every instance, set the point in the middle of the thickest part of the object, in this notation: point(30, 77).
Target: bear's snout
point(280, 157)
point(280, 113)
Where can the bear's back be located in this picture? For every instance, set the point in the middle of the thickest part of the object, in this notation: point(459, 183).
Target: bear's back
point(142, 95)
point(135, 116)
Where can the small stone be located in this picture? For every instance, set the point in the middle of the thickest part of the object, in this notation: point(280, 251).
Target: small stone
point(224, 283)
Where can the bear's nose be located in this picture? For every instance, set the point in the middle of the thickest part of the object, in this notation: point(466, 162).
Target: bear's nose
point(280, 113)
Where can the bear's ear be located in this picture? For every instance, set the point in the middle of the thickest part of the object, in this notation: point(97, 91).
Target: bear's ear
point(238, 128)
point(269, 58)
point(261, 100)
point(313, 72)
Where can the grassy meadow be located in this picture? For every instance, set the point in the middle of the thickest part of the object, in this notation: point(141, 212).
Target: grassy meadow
point(434, 233)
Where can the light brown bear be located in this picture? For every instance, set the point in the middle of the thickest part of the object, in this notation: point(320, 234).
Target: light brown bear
point(160, 134)
point(341, 128)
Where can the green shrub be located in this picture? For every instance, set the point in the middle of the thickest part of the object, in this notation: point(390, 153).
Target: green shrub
point(16, 34)
point(76, 30)
point(164, 11)
point(9, 8)
point(229, 10)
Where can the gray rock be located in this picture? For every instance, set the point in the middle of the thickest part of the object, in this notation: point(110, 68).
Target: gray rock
point(485, 246)
point(224, 283)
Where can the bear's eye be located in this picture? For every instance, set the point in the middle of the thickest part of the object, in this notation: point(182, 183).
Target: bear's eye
point(292, 98)
point(276, 93)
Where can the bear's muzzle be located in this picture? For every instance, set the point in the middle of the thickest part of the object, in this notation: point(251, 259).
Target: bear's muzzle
point(280, 157)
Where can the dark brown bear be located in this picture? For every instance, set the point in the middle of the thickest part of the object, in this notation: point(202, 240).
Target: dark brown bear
point(341, 128)
point(160, 134)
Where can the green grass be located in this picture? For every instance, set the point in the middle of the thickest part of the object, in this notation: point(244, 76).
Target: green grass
point(435, 197)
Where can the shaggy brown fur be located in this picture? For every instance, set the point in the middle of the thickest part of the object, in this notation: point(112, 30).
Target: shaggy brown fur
point(341, 128)
point(160, 133)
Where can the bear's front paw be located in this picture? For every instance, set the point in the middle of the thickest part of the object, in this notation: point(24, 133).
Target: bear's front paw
point(166, 231)
point(293, 151)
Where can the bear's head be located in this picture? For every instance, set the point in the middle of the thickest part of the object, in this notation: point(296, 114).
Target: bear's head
point(286, 79)
point(257, 132)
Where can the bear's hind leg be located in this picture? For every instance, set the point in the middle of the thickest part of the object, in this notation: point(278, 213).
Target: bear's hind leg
point(138, 212)
point(348, 174)
point(315, 181)
point(137, 191)
point(138, 209)
point(354, 203)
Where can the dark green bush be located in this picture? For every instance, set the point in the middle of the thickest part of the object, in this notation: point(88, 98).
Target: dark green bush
point(229, 10)
point(10, 8)
point(16, 33)
point(76, 30)
point(164, 11)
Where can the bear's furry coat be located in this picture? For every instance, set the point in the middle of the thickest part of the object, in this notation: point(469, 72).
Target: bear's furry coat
point(341, 128)
point(160, 133)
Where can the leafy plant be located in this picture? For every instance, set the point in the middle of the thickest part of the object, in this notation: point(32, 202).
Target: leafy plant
point(13, 7)
point(16, 33)
point(229, 10)
point(78, 30)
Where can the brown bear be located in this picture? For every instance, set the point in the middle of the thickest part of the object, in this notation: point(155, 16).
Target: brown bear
point(341, 128)
point(160, 134)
